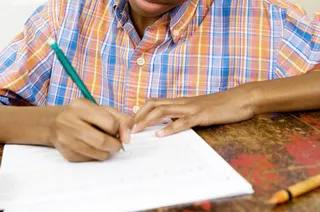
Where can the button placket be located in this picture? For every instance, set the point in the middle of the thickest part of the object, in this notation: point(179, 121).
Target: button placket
point(141, 61)
point(176, 33)
point(138, 80)
point(135, 109)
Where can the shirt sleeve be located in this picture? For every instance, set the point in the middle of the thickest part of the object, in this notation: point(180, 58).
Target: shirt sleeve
point(299, 50)
point(25, 65)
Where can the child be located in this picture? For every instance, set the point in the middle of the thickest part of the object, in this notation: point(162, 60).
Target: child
point(205, 62)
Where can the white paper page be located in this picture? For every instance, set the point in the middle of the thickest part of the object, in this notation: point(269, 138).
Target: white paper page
point(151, 173)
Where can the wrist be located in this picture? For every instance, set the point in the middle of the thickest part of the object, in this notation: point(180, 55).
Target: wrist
point(27, 125)
point(254, 100)
point(46, 122)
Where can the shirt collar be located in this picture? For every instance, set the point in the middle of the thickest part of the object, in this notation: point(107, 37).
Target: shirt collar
point(180, 16)
point(120, 7)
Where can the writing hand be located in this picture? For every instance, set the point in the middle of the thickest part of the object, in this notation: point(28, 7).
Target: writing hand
point(85, 131)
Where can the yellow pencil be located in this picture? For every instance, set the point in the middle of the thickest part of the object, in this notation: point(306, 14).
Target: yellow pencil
point(295, 190)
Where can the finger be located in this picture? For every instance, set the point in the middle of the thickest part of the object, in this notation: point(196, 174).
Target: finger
point(70, 127)
point(160, 112)
point(150, 105)
point(86, 150)
point(125, 131)
point(96, 115)
point(179, 125)
point(70, 155)
point(67, 141)
point(126, 124)
point(98, 140)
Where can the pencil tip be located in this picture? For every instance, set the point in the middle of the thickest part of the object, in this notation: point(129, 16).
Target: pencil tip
point(273, 201)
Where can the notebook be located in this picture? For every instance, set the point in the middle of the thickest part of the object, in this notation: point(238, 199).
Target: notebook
point(152, 172)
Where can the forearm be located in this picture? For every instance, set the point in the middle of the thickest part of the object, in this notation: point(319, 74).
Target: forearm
point(288, 94)
point(27, 125)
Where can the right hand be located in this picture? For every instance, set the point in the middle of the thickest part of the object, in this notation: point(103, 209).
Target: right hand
point(76, 134)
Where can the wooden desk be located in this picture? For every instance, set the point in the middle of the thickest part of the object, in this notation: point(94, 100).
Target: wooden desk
point(271, 151)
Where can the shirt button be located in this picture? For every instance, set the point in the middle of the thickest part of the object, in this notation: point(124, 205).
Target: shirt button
point(135, 109)
point(140, 61)
point(176, 33)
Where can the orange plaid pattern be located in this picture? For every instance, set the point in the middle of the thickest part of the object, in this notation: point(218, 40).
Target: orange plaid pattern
point(199, 47)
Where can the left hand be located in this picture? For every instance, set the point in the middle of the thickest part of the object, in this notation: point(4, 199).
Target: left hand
point(224, 107)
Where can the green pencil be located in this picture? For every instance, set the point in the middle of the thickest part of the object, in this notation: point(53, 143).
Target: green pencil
point(72, 72)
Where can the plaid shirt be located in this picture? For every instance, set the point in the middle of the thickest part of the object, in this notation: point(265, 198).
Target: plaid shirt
point(199, 47)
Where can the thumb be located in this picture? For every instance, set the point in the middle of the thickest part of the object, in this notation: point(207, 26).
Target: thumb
point(125, 128)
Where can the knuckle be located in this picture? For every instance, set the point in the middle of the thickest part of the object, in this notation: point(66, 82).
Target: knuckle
point(160, 110)
point(64, 118)
point(127, 120)
point(114, 126)
point(80, 104)
point(169, 128)
point(77, 103)
point(112, 111)
point(103, 156)
point(86, 138)
point(60, 138)
point(185, 122)
point(102, 143)
point(100, 139)
point(60, 119)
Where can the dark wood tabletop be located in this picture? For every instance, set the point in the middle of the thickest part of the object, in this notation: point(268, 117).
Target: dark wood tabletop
point(271, 151)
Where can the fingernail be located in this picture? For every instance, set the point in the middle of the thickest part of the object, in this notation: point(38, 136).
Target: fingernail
point(160, 133)
point(134, 129)
point(128, 137)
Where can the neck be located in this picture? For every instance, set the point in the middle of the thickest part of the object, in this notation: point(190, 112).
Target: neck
point(141, 23)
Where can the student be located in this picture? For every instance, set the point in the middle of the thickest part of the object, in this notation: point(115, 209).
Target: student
point(201, 61)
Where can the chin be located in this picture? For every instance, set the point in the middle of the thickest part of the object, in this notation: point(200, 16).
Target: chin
point(149, 10)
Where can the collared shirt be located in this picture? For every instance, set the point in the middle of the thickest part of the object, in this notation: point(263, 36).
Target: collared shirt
point(198, 48)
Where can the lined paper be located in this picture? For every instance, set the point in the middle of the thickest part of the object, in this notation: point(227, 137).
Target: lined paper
point(152, 172)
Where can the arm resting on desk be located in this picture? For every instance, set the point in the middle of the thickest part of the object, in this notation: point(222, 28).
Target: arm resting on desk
point(234, 105)
point(81, 131)
point(27, 125)
point(287, 94)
